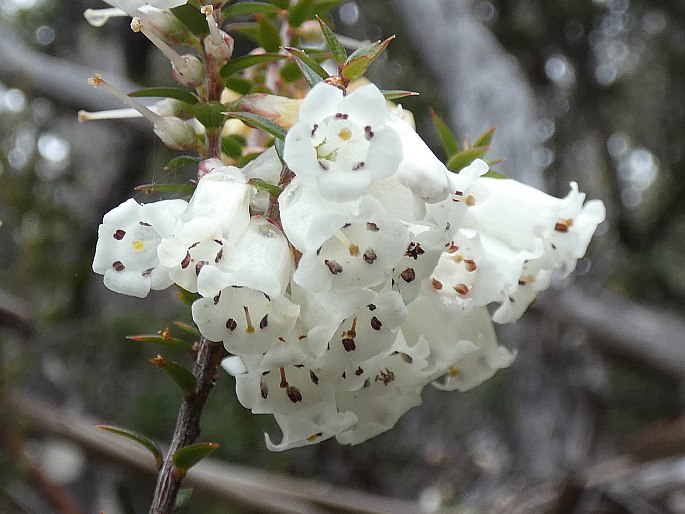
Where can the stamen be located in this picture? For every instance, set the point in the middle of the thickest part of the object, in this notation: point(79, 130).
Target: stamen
point(376, 323)
point(461, 289)
point(284, 380)
point(351, 247)
point(231, 324)
point(214, 32)
point(470, 265)
point(437, 284)
point(97, 81)
point(119, 234)
point(563, 225)
point(314, 437)
point(114, 114)
point(98, 17)
point(171, 54)
point(250, 329)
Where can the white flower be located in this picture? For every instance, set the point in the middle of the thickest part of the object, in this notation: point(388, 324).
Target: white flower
point(128, 238)
point(261, 259)
point(129, 6)
point(216, 217)
point(420, 170)
point(361, 253)
point(343, 142)
point(247, 321)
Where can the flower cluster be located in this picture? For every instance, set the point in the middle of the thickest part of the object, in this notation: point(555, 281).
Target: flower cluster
point(367, 278)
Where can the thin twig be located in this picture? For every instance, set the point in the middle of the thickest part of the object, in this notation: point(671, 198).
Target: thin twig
point(187, 430)
point(243, 486)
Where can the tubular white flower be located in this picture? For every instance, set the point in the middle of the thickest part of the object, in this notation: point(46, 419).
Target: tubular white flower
point(261, 259)
point(130, 6)
point(217, 215)
point(126, 251)
point(247, 321)
point(343, 142)
point(360, 254)
point(420, 170)
point(310, 426)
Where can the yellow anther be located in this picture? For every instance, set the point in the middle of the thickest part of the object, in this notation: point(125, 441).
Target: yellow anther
point(138, 245)
point(313, 438)
point(250, 328)
point(345, 134)
point(453, 372)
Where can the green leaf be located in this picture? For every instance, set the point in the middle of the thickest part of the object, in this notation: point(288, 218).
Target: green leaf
point(187, 457)
point(249, 8)
point(186, 296)
point(177, 93)
point(338, 50)
point(249, 29)
point(262, 185)
point(268, 34)
point(240, 63)
point(290, 72)
point(181, 160)
point(447, 137)
point(173, 342)
point(485, 138)
point(210, 114)
point(283, 4)
point(308, 61)
point(185, 189)
point(183, 498)
point(309, 74)
point(460, 160)
point(184, 379)
point(238, 84)
point(187, 327)
point(356, 64)
point(321, 7)
point(394, 94)
point(300, 12)
point(192, 18)
point(232, 146)
point(142, 440)
point(494, 174)
point(260, 122)
point(371, 51)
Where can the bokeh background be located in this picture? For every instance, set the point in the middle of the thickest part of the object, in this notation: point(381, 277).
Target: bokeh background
point(587, 420)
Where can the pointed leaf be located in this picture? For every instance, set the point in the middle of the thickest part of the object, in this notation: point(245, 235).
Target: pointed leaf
point(338, 50)
point(371, 51)
point(183, 498)
point(300, 12)
point(238, 84)
point(494, 174)
point(394, 94)
point(240, 63)
point(356, 64)
point(262, 185)
point(447, 137)
point(181, 160)
point(485, 138)
point(268, 33)
point(310, 75)
point(232, 146)
point(210, 114)
point(192, 18)
point(248, 29)
point(460, 160)
point(185, 189)
point(142, 440)
point(186, 296)
point(173, 342)
point(321, 7)
point(249, 8)
point(187, 327)
point(184, 379)
point(187, 457)
point(177, 93)
point(260, 122)
point(308, 61)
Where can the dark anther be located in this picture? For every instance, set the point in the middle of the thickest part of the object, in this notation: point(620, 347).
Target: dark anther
point(376, 323)
point(118, 266)
point(231, 324)
point(119, 235)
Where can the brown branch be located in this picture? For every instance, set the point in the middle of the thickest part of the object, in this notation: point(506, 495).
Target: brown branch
point(187, 430)
point(15, 313)
point(621, 326)
point(240, 485)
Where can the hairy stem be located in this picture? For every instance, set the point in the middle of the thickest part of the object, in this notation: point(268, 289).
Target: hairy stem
point(209, 356)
